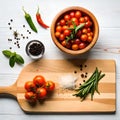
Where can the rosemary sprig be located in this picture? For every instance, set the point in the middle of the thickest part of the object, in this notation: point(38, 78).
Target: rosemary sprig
point(74, 30)
point(90, 86)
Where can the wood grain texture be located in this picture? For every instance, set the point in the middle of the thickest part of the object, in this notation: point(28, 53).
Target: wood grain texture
point(62, 100)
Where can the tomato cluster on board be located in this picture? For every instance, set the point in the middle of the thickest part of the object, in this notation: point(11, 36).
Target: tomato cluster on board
point(38, 88)
point(69, 21)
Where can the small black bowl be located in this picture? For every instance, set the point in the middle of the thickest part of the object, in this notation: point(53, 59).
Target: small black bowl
point(35, 49)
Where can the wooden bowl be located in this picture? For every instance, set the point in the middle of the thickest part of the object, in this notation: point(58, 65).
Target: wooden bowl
point(95, 29)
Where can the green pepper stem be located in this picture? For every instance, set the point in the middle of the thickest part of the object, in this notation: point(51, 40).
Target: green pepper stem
point(24, 10)
point(38, 10)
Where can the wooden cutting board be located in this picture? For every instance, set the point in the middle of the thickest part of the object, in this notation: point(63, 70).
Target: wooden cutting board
point(62, 100)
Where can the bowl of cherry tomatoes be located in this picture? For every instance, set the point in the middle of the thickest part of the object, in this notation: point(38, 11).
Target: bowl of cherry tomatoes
point(74, 30)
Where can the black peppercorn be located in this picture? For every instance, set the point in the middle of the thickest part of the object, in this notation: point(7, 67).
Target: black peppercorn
point(35, 49)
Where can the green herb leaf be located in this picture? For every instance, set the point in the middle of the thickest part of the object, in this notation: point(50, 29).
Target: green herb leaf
point(7, 53)
point(13, 57)
point(12, 61)
point(19, 59)
point(79, 27)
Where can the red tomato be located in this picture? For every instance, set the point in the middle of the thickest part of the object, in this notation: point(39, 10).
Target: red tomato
point(89, 38)
point(64, 27)
point(86, 18)
point(63, 43)
point(75, 47)
point(59, 28)
point(30, 86)
point(67, 17)
point(84, 37)
point(82, 45)
point(82, 20)
point(78, 34)
point(77, 41)
point(31, 97)
point(75, 20)
point(62, 37)
point(62, 22)
point(50, 85)
point(88, 24)
point(78, 14)
point(66, 32)
point(68, 45)
point(91, 33)
point(88, 30)
point(41, 93)
point(84, 30)
point(57, 34)
point(72, 14)
point(39, 81)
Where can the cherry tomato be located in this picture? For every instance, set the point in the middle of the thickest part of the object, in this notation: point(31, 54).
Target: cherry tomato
point(57, 34)
point(72, 14)
point(84, 37)
point(66, 32)
point(82, 20)
point(71, 26)
point(62, 37)
point(30, 86)
point(31, 97)
point(91, 33)
point(50, 85)
point(77, 41)
point(89, 38)
point(41, 93)
point(82, 45)
point(68, 45)
point(78, 14)
point(75, 47)
point(63, 43)
point(86, 18)
point(39, 81)
point(75, 20)
point(59, 28)
point(88, 24)
point(84, 30)
point(67, 17)
point(64, 27)
point(78, 34)
point(62, 22)
point(88, 30)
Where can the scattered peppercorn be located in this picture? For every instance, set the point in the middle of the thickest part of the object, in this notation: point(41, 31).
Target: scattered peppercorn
point(82, 75)
point(83, 80)
point(11, 20)
point(10, 28)
point(75, 71)
point(85, 65)
point(10, 48)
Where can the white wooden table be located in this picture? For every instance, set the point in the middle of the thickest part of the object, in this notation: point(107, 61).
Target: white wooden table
point(107, 13)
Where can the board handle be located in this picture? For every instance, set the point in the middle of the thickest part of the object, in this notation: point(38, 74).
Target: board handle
point(12, 90)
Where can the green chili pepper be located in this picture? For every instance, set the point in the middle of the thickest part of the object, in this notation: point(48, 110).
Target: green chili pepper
point(29, 21)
